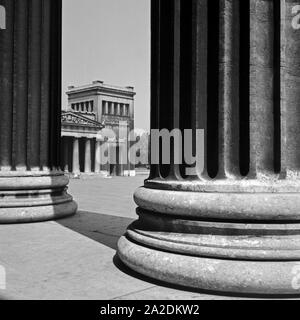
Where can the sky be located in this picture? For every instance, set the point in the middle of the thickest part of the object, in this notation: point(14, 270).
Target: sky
point(109, 40)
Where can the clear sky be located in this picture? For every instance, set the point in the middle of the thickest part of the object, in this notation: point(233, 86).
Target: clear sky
point(109, 40)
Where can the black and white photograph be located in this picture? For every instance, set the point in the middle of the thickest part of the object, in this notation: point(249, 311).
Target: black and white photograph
point(149, 153)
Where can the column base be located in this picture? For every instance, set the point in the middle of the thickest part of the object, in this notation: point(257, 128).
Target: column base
point(216, 275)
point(34, 197)
point(37, 214)
point(242, 243)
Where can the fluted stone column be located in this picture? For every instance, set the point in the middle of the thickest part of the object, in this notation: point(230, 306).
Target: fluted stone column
point(65, 142)
point(231, 68)
point(87, 161)
point(106, 107)
point(76, 164)
point(32, 186)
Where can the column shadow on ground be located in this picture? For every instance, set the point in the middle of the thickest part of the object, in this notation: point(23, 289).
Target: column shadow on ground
point(105, 229)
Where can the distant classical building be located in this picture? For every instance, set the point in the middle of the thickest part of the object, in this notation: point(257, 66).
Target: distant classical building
point(94, 118)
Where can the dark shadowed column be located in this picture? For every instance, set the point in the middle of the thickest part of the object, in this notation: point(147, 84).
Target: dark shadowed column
point(231, 68)
point(32, 186)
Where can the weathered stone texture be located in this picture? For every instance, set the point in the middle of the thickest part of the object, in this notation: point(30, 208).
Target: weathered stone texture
point(231, 68)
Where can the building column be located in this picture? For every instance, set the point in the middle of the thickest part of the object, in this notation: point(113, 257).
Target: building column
point(65, 142)
point(98, 156)
point(131, 143)
point(87, 159)
point(234, 225)
point(76, 165)
point(32, 185)
point(106, 107)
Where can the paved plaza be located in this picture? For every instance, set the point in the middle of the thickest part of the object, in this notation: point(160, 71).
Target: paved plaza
point(75, 258)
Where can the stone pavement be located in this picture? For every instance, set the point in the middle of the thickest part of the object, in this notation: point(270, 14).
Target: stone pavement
point(75, 258)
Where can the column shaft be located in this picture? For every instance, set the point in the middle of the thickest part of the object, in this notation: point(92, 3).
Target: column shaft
point(66, 155)
point(106, 107)
point(262, 80)
point(76, 165)
point(230, 68)
point(229, 89)
point(87, 162)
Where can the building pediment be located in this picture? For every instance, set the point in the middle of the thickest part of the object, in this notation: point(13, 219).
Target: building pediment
point(70, 118)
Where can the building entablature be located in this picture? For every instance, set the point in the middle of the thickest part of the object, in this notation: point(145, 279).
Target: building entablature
point(99, 88)
point(76, 125)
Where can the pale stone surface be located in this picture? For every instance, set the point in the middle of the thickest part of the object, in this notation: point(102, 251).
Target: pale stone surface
point(87, 162)
point(76, 167)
